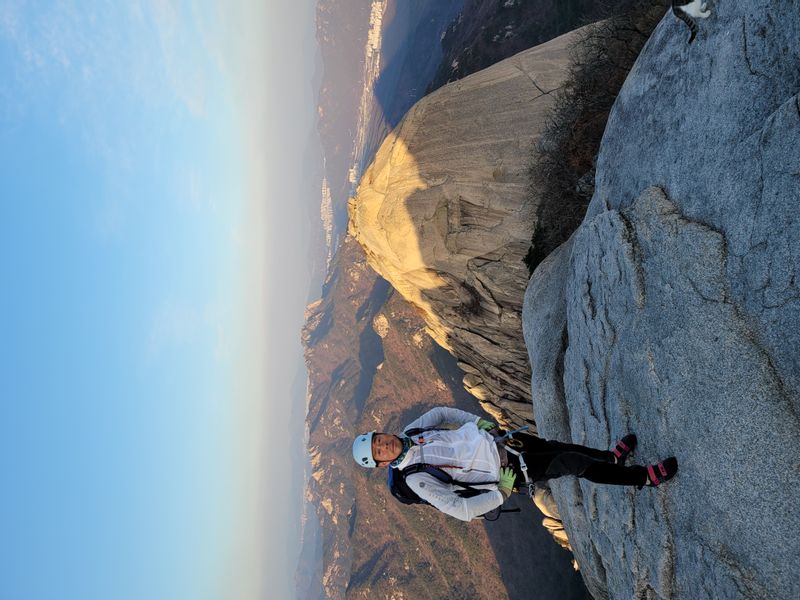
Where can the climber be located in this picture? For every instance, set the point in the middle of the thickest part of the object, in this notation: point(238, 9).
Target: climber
point(450, 459)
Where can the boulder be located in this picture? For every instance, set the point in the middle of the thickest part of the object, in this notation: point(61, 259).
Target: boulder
point(674, 312)
point(444, 214)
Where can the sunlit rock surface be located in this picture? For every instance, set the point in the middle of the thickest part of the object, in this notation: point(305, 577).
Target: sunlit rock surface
point(674, 312)
point(445, 216)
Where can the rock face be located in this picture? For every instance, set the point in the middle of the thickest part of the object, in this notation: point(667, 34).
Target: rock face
point(674, 312)
point(444, 215)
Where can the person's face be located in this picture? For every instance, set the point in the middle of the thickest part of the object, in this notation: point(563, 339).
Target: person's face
point(385, 448)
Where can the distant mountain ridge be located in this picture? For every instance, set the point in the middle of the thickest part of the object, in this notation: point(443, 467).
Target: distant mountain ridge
point(488, 31)
point(342, 29)
point(371, 365)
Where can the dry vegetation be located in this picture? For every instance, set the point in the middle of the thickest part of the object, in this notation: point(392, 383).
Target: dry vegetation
point(562, 172)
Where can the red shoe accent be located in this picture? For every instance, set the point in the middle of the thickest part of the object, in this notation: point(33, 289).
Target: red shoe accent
point(651, 473)
point(624, 447)
point(667, 469)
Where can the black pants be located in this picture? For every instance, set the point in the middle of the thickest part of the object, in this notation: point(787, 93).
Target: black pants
point(550, 459)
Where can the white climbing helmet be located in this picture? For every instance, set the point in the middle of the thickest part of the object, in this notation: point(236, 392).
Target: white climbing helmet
point(362, 450)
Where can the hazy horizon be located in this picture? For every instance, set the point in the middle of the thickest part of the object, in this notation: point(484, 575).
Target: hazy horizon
point(156, 253)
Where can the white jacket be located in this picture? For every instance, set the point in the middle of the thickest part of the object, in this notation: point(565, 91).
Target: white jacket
point(468, 454)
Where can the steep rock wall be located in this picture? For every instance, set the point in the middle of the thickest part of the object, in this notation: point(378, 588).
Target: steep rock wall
point(674, 312)
point(443, 214)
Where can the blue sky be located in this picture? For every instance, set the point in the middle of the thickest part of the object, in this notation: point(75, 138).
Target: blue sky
point(153, 263)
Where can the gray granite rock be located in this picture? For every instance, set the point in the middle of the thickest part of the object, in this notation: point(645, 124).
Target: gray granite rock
point(674, 312)
point(545, 329)
point(717, 125)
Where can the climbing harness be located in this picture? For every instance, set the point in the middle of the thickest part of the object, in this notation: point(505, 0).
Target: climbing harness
point(513, 447)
